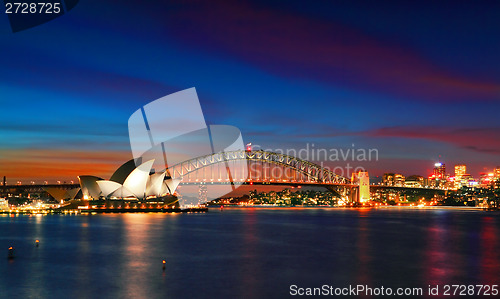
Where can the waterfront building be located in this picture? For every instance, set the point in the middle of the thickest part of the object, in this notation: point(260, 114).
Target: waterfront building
point(129, 182)
point(4, 204)
point(388, 179)
point(399, 180)
point(363, 179)
point(415, 181)
point(393, 179)
point(60, 193)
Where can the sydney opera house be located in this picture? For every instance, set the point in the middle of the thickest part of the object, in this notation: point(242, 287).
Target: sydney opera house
point(129, 182)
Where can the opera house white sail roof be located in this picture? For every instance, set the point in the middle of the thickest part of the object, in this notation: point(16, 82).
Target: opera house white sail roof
point(129, 181)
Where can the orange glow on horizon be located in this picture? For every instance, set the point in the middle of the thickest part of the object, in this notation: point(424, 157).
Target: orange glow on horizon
point(54, 164)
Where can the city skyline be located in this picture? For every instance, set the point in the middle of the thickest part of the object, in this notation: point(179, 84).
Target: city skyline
point(413, 81)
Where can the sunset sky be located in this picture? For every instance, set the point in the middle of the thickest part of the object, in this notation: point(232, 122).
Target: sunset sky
point(414, 80)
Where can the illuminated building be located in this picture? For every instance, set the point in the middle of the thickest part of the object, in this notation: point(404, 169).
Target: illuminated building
point(128, 181)
point(415, 181)
point(497, 172)
point(388, 179)
point(412, 184)
point(393, 179)
point(439, 171)
point(461, 176)
point(4, 204)
point(460, 170)
point(60, 193)
point(438, 178)
point(89, 187)
point(363, 179)
point(399, 180)
point(486, 179)
point(202, 193)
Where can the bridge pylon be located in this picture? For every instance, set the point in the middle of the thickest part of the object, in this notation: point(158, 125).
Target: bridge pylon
point(362, 179)
point(354, 194)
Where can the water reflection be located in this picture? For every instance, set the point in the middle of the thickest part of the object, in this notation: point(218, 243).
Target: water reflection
point(249, 261)
point(363, 248)
point(489, 251)
point(137, 241)
point(437, 253)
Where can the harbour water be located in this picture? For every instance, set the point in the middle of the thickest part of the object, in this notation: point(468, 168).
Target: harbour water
point(245, 252)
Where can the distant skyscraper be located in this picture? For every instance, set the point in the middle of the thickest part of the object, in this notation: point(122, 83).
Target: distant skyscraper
point(439, 171)
point(497, 172)
point(460, 176)
point(460, 170)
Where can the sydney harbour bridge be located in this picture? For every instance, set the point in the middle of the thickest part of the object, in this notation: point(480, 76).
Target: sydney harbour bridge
point(247, 167)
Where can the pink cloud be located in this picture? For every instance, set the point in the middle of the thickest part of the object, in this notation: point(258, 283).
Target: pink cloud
point(296, 46)
point(484, 140)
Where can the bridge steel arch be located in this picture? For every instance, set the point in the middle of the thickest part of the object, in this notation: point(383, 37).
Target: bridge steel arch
point(314, 172)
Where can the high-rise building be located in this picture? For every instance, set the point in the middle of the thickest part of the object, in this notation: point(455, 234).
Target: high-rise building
point(486, 179)
point(460, 171)
point(461, 176)
point(497, 172)
point(439, 171)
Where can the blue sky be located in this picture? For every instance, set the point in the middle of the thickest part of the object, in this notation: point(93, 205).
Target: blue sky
point(413, 80)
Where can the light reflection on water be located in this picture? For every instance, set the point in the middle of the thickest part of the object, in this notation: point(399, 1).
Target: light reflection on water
point(250, 253)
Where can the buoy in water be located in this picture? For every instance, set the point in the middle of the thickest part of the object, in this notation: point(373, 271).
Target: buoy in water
point(11, 253)
point(164, 262)
point(37, 243)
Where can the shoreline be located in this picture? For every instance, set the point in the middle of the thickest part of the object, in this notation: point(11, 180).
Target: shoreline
point(106, 211)
point(465, 208)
